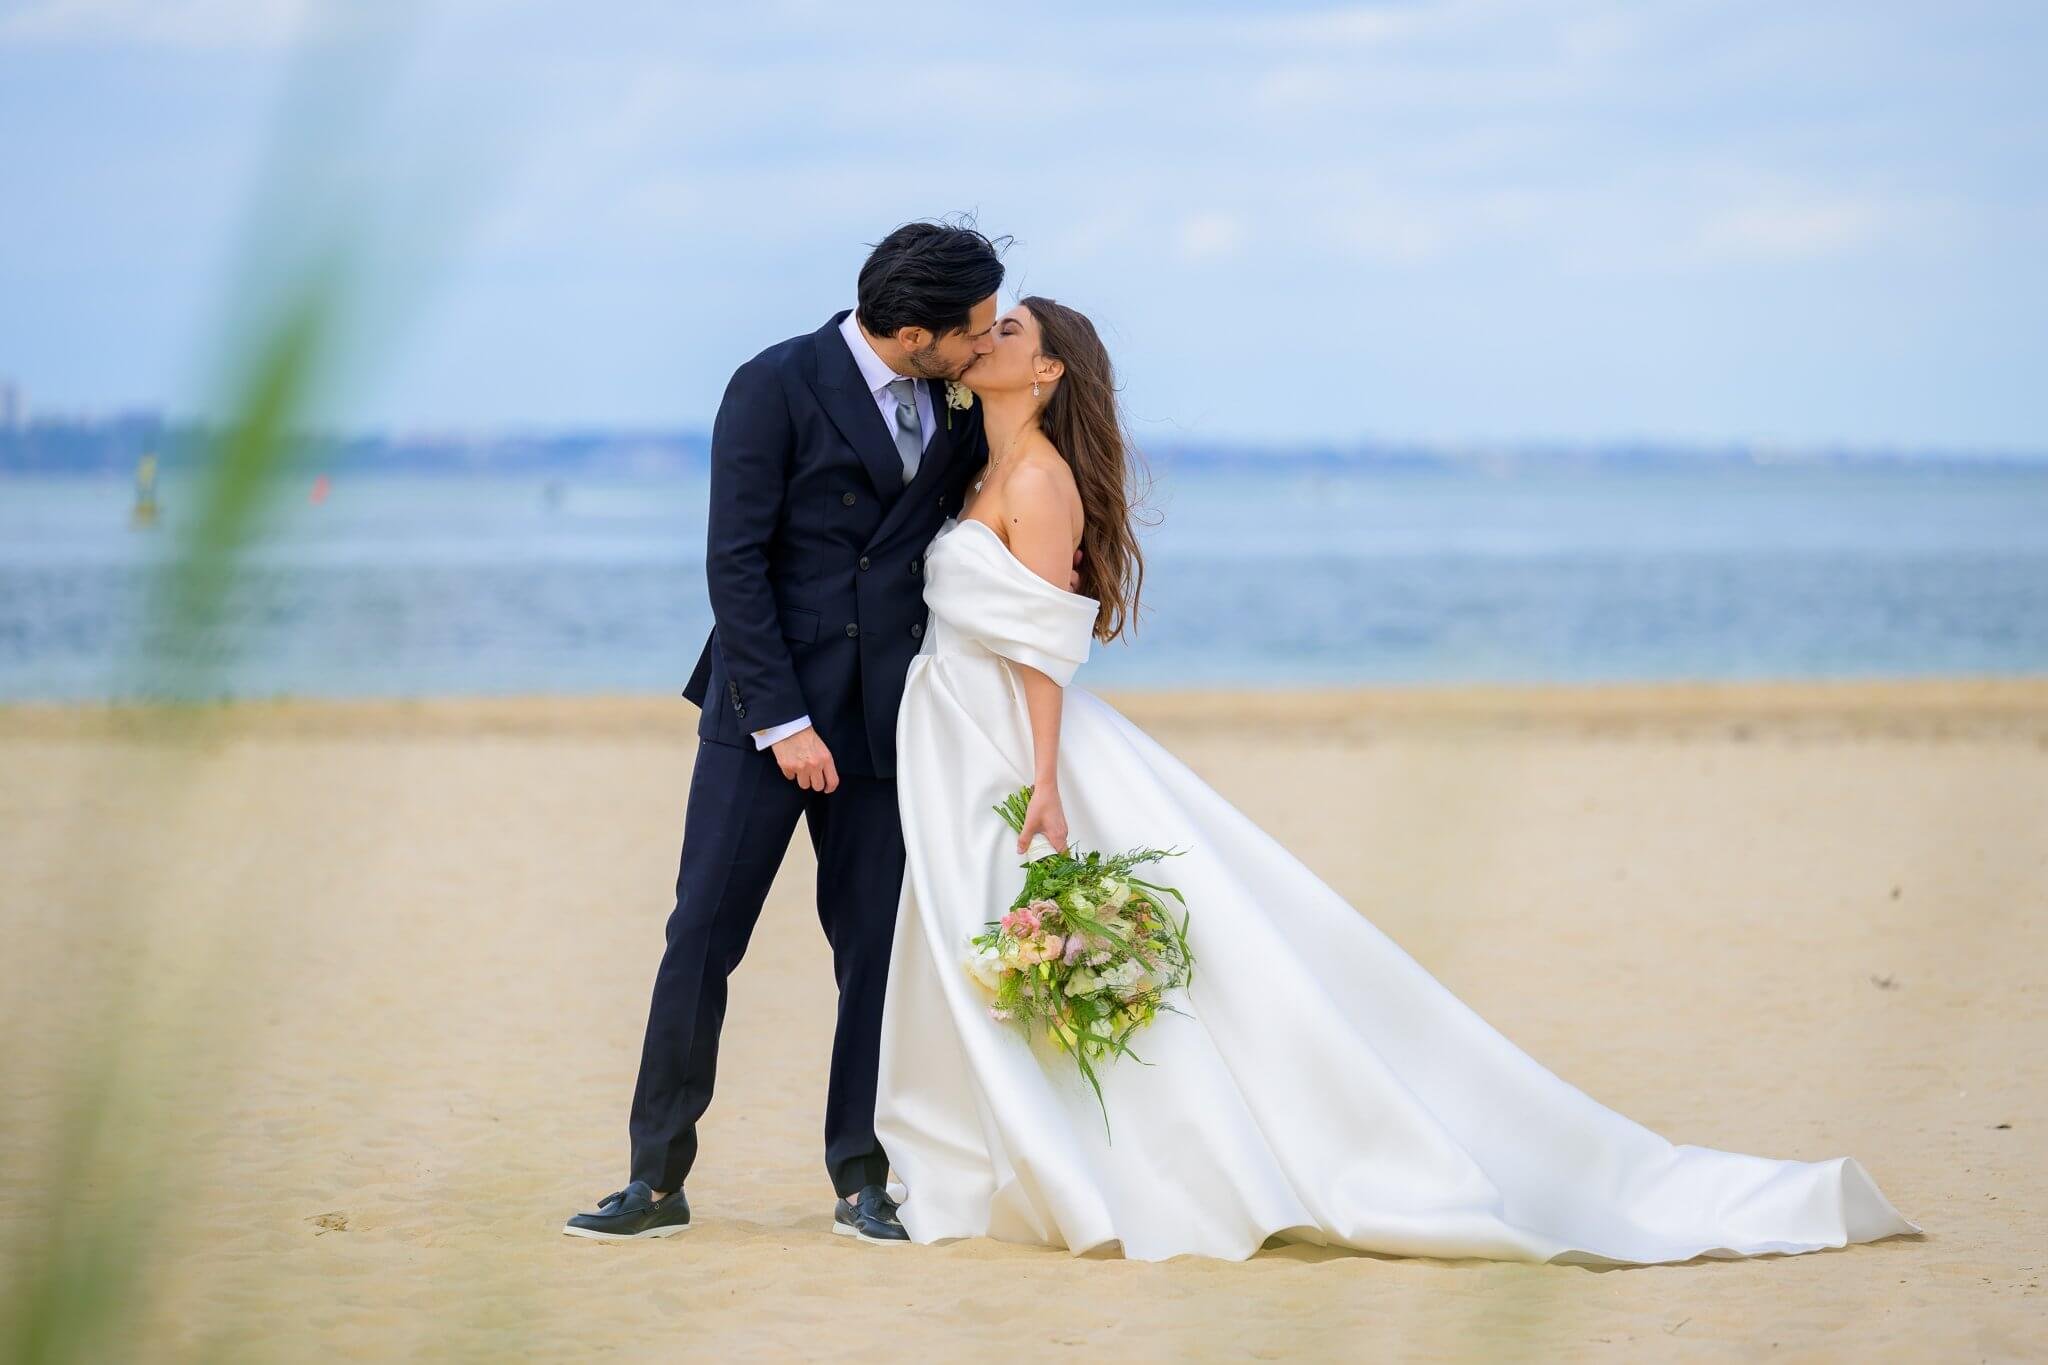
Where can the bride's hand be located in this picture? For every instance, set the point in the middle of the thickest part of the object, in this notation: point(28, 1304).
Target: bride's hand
point(1044, 816)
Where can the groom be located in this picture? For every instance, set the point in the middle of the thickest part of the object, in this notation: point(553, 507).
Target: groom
point(835, 456)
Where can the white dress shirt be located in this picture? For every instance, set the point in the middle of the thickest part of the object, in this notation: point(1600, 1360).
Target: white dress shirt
point(876, 374)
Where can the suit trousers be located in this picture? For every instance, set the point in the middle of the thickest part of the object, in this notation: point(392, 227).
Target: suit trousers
point(737, 826)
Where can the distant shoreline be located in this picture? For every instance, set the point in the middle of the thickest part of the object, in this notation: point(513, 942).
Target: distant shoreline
point(1942, 707)
point(111, 446)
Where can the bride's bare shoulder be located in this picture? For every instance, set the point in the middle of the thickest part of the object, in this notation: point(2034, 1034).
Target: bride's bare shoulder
point(1041, 515)
point(1043, 487)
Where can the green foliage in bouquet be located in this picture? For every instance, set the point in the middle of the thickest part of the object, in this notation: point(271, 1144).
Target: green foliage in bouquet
point(1086, 952)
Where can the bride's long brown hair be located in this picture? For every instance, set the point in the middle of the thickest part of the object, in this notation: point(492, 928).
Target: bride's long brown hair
point(1083, 421)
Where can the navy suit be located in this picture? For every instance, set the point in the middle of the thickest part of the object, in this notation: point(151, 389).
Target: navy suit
point(813, 560)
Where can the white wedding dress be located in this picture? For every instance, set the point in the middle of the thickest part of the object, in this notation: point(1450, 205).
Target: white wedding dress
point(1323, 1086)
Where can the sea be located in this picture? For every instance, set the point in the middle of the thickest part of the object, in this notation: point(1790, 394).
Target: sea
point(394, 585)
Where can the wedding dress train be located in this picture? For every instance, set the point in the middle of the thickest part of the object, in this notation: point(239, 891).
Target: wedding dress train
point(1323, 1086)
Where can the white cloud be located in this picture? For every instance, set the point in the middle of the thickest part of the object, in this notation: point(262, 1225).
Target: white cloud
point(1788, 230)
point(1209, 237)
point(1351, 24)
point(1390, 233)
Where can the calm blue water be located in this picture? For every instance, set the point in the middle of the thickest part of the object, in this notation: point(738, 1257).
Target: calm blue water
point(404, 586)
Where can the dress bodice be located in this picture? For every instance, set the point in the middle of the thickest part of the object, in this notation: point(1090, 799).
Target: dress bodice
point(985, 601)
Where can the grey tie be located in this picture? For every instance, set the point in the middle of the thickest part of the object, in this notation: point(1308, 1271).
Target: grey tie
point(909, 435)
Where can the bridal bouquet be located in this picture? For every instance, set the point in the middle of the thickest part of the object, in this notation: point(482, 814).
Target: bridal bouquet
point(1087, 951)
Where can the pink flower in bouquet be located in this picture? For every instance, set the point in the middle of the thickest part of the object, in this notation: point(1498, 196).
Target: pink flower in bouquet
point(1055, 948)
point(1077, 944)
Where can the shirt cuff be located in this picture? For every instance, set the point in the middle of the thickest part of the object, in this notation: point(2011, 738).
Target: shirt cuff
point(764, 738)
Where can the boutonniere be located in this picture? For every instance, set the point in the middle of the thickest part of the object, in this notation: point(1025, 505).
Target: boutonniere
point(959, 398)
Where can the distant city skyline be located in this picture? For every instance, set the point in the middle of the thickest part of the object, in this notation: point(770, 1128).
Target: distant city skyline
point(1450, 222)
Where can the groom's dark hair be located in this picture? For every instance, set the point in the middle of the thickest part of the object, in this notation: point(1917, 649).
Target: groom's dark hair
point(927, 275)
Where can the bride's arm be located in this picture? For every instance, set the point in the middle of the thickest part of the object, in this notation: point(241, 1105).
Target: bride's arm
point(1038, 516)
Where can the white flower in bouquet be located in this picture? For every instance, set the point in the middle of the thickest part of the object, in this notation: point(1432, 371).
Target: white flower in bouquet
point(1119, 891)
point(1084, 982)
point(986, 968)
point(1123, 979)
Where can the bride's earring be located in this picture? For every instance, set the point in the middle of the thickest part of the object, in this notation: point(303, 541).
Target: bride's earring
point(1034, 388)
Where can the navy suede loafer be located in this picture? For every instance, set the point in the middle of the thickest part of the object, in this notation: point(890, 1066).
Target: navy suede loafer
point(632, 1212)
point(871, 1217)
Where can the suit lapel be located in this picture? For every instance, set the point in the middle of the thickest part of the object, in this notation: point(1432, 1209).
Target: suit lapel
point(846, 400)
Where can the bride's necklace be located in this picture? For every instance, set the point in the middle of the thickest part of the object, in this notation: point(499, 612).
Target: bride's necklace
point(992, 464)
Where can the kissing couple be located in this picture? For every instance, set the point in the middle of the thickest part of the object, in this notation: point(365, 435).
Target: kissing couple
point(920, 522)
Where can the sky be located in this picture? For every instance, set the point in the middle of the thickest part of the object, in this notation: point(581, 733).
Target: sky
point(1451, 221)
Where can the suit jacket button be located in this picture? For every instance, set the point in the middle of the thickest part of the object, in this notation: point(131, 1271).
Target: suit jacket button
point(863, 561)
point(846, 498)
point(913, 566)
point(917, 629)
point(852, 629)
point(743, 710)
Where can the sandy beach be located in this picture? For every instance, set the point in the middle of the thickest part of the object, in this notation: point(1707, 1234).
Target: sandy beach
point(382, 967)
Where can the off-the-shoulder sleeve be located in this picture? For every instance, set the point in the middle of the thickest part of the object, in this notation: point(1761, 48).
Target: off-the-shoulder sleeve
point(986, 594)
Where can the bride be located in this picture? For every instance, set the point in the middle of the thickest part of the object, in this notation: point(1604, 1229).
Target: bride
point(1320, 1086)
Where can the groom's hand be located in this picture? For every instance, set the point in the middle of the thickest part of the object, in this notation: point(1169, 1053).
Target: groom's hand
point(806, 761)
